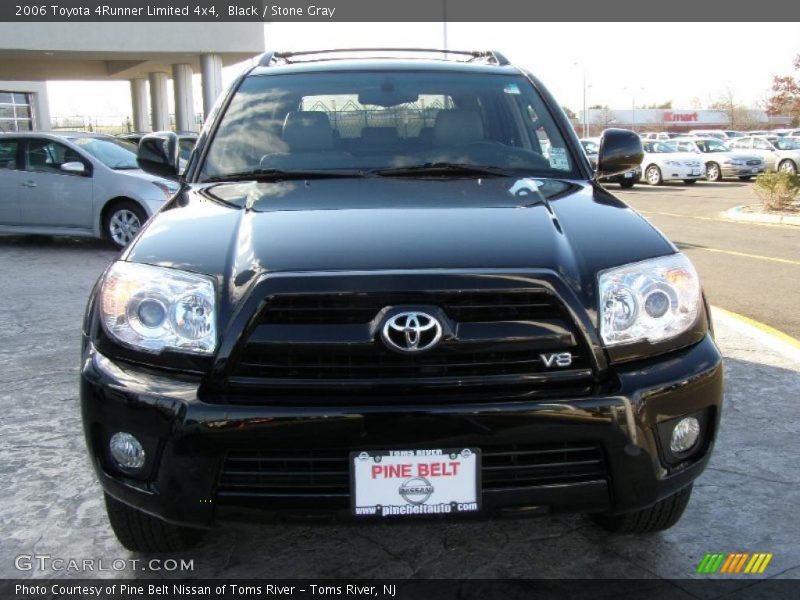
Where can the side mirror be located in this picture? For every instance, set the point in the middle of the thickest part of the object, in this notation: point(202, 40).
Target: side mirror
point(76, 167)
point(158, 154)
point(620, 151)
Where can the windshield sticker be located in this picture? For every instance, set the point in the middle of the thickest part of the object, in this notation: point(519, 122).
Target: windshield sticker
point(558, 159)
point(81, 141)
point(511, 88)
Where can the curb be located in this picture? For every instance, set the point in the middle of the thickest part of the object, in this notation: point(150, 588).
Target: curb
point(737, 214)
point(778, 341)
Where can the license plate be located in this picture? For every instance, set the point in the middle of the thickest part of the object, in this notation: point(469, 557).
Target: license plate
point(415, 482)
point(628, 174)
point(694, 173)
point(755, 170)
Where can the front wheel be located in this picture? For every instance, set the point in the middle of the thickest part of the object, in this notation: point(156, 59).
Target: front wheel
point(653, 175)
point(122, 222)
point(662, 515)
point(713, 172)
point(788, 166)
point(140, 532)
point(627, 183)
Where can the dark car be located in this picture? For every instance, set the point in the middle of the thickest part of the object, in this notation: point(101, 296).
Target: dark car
point(391, 288)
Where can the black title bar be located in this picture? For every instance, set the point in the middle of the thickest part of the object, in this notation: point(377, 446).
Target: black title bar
point(397, 10)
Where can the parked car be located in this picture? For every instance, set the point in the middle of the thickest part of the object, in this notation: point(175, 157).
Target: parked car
point(396, 322)
point(664, 162)
point(186, 141)
point(660, 135)
point(779, 153)
point(721, 161)
point(76, 183)
point(626, 180)
point(706, 133)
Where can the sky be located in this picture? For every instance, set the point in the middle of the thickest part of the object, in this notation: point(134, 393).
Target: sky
point(691, 64)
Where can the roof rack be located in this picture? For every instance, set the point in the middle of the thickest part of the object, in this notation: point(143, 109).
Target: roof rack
point(272, 58)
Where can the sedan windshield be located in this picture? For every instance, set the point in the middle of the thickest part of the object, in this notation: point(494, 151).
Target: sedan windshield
point(712, 146)
point(660, 147)
point(115, 154)
point(387, 124)
point(787, 143)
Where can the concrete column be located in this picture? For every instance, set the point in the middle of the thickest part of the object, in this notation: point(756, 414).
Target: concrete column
point(159, 107)
point(141, 113)
point(184, 98)
point(211, 65)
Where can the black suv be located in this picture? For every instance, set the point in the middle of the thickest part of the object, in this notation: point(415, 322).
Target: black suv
point(391, 288)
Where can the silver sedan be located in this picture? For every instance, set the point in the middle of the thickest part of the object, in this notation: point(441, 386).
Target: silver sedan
point(779, 153)
point(76, 183)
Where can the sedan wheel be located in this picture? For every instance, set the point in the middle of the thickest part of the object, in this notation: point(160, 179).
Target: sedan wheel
point(123, 223)
point(789, 167)
point(713, 172)
point(653, 175)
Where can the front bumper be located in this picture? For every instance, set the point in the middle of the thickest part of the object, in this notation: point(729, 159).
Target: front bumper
point(742, 171)
point(187, 440)
point(683, 173)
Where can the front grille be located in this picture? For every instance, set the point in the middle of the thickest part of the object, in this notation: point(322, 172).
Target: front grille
point(313, 339)
point(348, 308)
point(753, 163)
point(287, 474)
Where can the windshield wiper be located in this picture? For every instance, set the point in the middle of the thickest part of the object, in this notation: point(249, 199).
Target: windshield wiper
point(284, 174)
point(444, 168)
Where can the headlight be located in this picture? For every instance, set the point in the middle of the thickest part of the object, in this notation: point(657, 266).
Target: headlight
point(737, 162)
point(673, 163)
point(652, 300)
point(168, 189)
point(153, 308)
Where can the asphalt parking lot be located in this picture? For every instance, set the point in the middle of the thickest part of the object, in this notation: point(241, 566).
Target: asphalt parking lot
point(746, 501)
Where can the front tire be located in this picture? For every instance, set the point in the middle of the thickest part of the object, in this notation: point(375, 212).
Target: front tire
point(627, 183)
point(653, 175)
point(139, 532)
point(122, 222)
point(713, 172)
point(662, 515)
point(788, 166)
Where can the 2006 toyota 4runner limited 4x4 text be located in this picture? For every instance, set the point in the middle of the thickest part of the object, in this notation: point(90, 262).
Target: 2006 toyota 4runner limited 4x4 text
point(391, 288)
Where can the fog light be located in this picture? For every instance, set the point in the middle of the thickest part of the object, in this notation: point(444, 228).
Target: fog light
point(685, 435)
point(127, 451)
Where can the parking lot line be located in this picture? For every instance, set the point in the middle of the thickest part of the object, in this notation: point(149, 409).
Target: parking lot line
point(786, 261)
point(775, 339)
point(718, 219)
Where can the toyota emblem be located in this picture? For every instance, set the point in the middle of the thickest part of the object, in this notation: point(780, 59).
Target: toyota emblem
point(411, 331)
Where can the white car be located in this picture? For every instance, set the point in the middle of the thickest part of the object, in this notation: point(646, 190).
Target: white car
point(76, 184)
point(779, 153)
point(664, 162)
point(721, 161)
point(706, 133)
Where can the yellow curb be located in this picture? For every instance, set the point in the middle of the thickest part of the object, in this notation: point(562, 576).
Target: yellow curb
point(783, 337)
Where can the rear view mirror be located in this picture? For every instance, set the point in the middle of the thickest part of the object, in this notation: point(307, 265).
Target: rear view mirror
point(76, 167)
point(620, 151)
point(158, 154)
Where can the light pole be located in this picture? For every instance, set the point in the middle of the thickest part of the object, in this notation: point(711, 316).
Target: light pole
point(633, 104)
point(585, 110)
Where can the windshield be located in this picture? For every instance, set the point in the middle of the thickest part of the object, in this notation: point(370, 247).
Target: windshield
point(382, 121)
point(116, 154)
point(787, 143)
point(712, 146)
point(660, 147)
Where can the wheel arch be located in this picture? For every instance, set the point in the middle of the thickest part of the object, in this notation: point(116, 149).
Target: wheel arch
point(109, 204)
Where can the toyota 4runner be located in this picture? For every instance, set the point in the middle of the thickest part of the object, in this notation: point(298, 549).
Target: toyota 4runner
point(391, 288)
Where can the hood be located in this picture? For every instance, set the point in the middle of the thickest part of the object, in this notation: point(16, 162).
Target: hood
point(733, 154)
point(139, 174)
point(238, 232)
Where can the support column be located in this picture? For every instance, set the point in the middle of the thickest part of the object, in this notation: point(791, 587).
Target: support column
point(141, 113)
point(184, 98)
point(211, 65)
point(159, 107)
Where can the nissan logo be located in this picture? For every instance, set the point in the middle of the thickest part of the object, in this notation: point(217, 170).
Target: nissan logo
point(411, 331)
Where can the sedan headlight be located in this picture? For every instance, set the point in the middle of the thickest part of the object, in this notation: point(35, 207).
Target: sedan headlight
point(167, 188)
point(153, 308)
point(735, 162)
point(652, 300)
point(673, 163)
